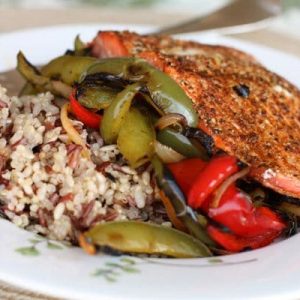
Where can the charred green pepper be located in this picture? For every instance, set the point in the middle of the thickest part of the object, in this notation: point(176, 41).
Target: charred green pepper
point(63, 71)
point(165, 93)
point(139, 237)
point(96, 97)
point(40, 82)
point(181, 144)
point(28, 89)
point(115, 114)
point(68, 68)
point(79, 45)
point(116, 66)
point(136, 138)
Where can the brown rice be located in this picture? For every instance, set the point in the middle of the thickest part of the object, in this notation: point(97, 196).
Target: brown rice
point(48, 187)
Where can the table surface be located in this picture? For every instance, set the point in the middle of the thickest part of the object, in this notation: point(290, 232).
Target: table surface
point(14, 19)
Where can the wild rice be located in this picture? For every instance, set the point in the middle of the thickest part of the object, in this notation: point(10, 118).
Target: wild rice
point(48, 187)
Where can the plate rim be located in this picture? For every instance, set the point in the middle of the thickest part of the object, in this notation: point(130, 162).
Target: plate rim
point(64, 293)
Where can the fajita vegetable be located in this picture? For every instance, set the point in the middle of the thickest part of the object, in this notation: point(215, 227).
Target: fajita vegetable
point(152, 149)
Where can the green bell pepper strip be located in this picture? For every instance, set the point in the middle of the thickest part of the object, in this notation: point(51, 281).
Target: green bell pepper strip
point(180, 144)
point(98, 93)
point(140, 237)
point(115, 114)
point(99, 97)
point(166, 182)
point(63, 70)
point(38, 81)
point(68, 68)
point(28, 89)
point(165, 92)
point(80, 48)
point(116, 66)
point(79, 45)
point(29, 71)
point(136, 138)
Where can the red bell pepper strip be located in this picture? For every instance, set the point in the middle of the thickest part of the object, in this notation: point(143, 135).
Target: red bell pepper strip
point(235, 243)
point(214, 173)
point(186, 171)
point(250, 227)
point(237, 213)
point(84, 115)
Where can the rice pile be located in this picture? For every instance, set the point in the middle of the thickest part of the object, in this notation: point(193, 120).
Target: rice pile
point(48, 187)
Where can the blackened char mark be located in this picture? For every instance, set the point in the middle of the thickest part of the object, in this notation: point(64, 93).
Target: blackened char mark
point(106, 79)
point(275, 197)
point(205, 140)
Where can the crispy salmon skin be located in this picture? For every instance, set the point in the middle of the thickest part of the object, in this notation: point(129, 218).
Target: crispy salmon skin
point(249, 111)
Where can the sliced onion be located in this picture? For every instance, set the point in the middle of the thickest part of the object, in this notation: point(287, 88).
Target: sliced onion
point(290, 208)
point(167, 154)
point(61, 88)
point(170, 119)
point(224, 186)
point(72, 133)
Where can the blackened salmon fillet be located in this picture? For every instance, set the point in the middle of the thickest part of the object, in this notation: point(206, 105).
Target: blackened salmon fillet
point(249, 111)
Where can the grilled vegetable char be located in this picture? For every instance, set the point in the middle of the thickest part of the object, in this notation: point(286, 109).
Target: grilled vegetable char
point(249, 111)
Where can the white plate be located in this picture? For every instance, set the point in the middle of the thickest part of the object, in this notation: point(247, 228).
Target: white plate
point(269, 273)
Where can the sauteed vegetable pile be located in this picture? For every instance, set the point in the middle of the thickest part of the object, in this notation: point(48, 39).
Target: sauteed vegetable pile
point(212, 205)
